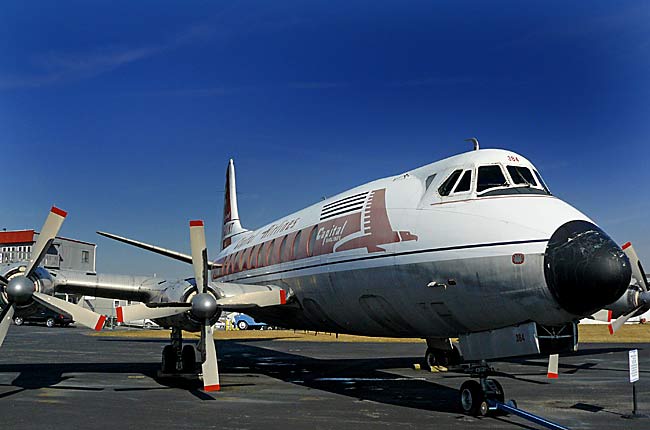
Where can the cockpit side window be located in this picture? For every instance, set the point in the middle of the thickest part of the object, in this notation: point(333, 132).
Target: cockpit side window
point(521, 175)
point(449, 183)
point(490, 177)
point(541, 181)
point(430, 179)
point(465, 182)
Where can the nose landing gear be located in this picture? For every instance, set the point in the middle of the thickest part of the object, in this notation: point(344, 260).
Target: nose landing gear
point(478, 398)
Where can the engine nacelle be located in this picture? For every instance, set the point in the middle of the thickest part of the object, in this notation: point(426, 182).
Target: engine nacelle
point(181, 292)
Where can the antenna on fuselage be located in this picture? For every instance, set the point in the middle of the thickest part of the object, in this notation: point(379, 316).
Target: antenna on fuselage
point(474, 141)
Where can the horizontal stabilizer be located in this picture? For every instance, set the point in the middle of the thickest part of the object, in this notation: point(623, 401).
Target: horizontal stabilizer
point(157, 249)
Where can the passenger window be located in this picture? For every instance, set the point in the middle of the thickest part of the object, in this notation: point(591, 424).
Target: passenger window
point(296, 245)
point(449, 183)
point(312, 241)
point(282, 255)
point(465, 182)
point(429, 180)
point(490, 177)
point(521, 175)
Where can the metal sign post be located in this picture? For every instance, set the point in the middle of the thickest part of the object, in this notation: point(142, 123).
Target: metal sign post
point(633, 356)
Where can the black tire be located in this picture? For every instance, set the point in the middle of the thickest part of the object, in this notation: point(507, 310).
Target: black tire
point(472, 400)
point(50, 322)
point(168, 359)
point(242, 325)
point(19, 320)
point(188, 359)
point(436, 357)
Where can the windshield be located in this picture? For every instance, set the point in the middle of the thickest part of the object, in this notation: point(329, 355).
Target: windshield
point(490, 177)
point(521, 175)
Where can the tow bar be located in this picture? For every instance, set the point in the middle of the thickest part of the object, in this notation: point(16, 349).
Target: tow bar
point(511, 408)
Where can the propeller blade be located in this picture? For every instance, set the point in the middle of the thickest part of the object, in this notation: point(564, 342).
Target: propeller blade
point(4, 281)
point(275, 296)
point(6, 318)
point(210, 366)
point(603, 315)
point(81, 315)
point(618, 323)
point(199, 255)
point(142, 311)
point(637, 268)
point(45, 238)
point(553, 361)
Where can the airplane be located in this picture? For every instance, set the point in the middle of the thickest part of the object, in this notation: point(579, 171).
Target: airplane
point(473, 247)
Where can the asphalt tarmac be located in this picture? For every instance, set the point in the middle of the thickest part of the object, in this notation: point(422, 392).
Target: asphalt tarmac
point(65, 379)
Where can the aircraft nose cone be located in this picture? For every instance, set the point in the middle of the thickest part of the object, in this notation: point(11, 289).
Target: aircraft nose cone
point(585, 269)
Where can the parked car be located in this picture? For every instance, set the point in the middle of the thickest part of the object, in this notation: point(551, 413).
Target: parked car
point(245, 322)
point(146, 324)
point(47, 316)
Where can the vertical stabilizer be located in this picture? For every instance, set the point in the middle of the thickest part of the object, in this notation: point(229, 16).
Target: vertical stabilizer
point(231, 225)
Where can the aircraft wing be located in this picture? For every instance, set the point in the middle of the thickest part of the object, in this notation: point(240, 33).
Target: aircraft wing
point(152, 291)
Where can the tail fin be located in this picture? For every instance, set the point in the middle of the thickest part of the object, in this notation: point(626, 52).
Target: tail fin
point(231, 225)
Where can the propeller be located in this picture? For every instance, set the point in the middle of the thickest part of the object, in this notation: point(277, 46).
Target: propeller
point(203, 306)
point(553, 362)
point(642, 297)
point(21, 289)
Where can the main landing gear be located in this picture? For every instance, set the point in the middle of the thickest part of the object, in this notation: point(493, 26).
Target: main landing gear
point(479, 398)
point(178, 358)
point(441, 352)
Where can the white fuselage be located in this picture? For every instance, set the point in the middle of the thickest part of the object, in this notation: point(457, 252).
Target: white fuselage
point(396, 258)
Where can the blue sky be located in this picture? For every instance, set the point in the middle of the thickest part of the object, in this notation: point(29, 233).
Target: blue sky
point(126, 113)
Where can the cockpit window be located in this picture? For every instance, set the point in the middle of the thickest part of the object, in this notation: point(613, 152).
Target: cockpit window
point(465, 182)
point(490, 177)
point(430, 179)
point(449, 183)
point(541, 181)
point(521, 175)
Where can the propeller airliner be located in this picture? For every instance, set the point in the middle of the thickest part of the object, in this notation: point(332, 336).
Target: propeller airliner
point(473, 247)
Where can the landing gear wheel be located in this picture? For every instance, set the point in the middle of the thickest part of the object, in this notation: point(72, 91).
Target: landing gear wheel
point(50, 322)
point(242, 325)
point(19, 320)
point(472, 400)
point(168, 359)
point(437, 357)
point(188, 358)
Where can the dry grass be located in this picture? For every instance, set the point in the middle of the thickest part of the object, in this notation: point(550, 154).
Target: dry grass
point(290, 335)
point(597, 333)
point(629, 333)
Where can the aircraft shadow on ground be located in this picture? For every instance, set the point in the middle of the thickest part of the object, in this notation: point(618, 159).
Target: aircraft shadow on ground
point(359, 378)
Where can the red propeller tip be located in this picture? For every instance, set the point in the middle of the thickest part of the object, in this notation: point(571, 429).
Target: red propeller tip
point(212, 387)
point(196, 223)
point(59, 212)
point(551, 375)
point(627, 245)
point(120, 314)
point(100, 323)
